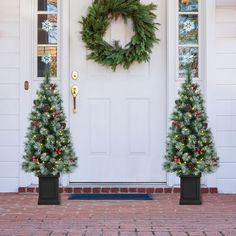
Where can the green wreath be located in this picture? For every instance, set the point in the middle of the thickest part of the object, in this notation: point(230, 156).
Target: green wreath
point(95, 24)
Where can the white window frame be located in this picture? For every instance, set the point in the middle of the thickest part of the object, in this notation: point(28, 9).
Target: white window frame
point(35, 39)
point(198, 45)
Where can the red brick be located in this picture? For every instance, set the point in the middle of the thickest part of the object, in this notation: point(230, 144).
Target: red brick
point(124, 190)
point(168, 190)
point(204, 190)
point(105, 190)
point(213, 190)
point(60, 190)
point(115, 190)
point(141, 190)
point(176, 190)
point(87, 190)
point(163, 216)
point(21, 189)
point(159, 190)
point(150, 190)
point(78, 190)
point(68, 190)
point(96, 190)
point(30, 190)
point(132, 190)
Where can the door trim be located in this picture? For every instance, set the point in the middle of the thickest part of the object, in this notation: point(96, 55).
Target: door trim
point(64, 62)
point(65, 68)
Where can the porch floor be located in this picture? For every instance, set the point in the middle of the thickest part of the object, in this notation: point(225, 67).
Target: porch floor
point(21, 216)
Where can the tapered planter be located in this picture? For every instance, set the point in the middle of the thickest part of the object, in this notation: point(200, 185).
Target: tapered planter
point(48, 190)
point(190, 192)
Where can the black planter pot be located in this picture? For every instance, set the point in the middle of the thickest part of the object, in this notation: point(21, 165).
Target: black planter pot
point(190, 192)
point(48, 190)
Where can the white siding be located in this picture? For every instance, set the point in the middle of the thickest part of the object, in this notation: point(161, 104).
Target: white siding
point(9, 95)
point(225, 96)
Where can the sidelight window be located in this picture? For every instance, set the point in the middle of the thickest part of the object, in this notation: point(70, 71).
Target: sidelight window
point(188, 36)
point(47, 37)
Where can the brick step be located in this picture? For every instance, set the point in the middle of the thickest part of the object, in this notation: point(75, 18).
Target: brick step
point(34, 189)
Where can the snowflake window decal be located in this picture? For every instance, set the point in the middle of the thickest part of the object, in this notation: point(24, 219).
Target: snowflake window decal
point(47, 26)
point(188, 26)
point(46, 58)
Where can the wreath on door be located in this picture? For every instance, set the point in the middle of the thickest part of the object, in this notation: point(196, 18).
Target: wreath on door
point(95, 24)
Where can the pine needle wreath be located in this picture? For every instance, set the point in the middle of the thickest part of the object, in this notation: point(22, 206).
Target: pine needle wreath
point(95, 24)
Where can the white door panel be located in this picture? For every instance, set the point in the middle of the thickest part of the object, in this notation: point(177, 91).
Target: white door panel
point(120, 127)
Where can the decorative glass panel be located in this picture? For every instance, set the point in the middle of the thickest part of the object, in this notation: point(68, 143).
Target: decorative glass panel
point(188, 5)
point(47, 57)
point(47, 5)
point(188, 29)
point(47, 29)
point(47, 37)
point(187, 54)
point(188, 38)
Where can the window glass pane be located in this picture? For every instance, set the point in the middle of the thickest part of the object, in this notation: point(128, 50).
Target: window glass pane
point(188, 29)
point(185, 53)
point(47, 5)
point(47, 29)
point(188, 5)
point(47, 57)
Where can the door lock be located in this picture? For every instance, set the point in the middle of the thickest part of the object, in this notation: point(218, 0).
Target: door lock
point(74, 75)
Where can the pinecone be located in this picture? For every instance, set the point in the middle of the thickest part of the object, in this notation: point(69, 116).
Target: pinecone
point(46, 108)
point(188, 108)
point(49, 166)
point(39, 138)
point(35, 124)
point(53, 87)
point(63, 125)
point(190, 166)
point(181, 138)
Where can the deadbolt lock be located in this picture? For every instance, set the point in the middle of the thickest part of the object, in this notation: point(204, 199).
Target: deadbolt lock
point(74, 75)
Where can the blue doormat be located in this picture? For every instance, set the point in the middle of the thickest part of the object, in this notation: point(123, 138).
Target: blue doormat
point(110, 197)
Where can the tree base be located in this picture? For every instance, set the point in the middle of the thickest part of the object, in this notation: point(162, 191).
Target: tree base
point(190, 193)
point(48, 190)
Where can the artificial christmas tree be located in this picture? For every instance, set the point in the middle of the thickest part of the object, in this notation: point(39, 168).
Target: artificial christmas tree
point(48, 146)
point(190, 148)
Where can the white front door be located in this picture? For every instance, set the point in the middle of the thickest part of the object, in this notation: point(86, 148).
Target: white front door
point(119, 130)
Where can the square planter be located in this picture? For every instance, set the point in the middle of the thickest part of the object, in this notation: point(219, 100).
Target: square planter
point(48, 190)
point(190, 192)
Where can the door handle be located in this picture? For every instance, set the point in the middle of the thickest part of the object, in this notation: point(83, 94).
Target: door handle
point(74, 92)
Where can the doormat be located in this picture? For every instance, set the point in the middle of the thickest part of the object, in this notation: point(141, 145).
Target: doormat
point(110, 197)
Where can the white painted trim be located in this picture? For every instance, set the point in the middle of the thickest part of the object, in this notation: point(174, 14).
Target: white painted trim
point(171, 67)
point(64, 62)
point(210, 8)
point(25, 74)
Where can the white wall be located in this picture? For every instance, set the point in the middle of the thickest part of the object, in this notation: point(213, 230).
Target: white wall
point(9, 94)
point(225, 95)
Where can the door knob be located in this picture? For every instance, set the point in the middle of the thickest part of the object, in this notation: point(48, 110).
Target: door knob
point(74, 92)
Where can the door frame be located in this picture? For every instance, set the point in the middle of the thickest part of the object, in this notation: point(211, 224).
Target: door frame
point(65, 70)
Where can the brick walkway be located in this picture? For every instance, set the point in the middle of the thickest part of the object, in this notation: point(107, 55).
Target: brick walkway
point(21, 216)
